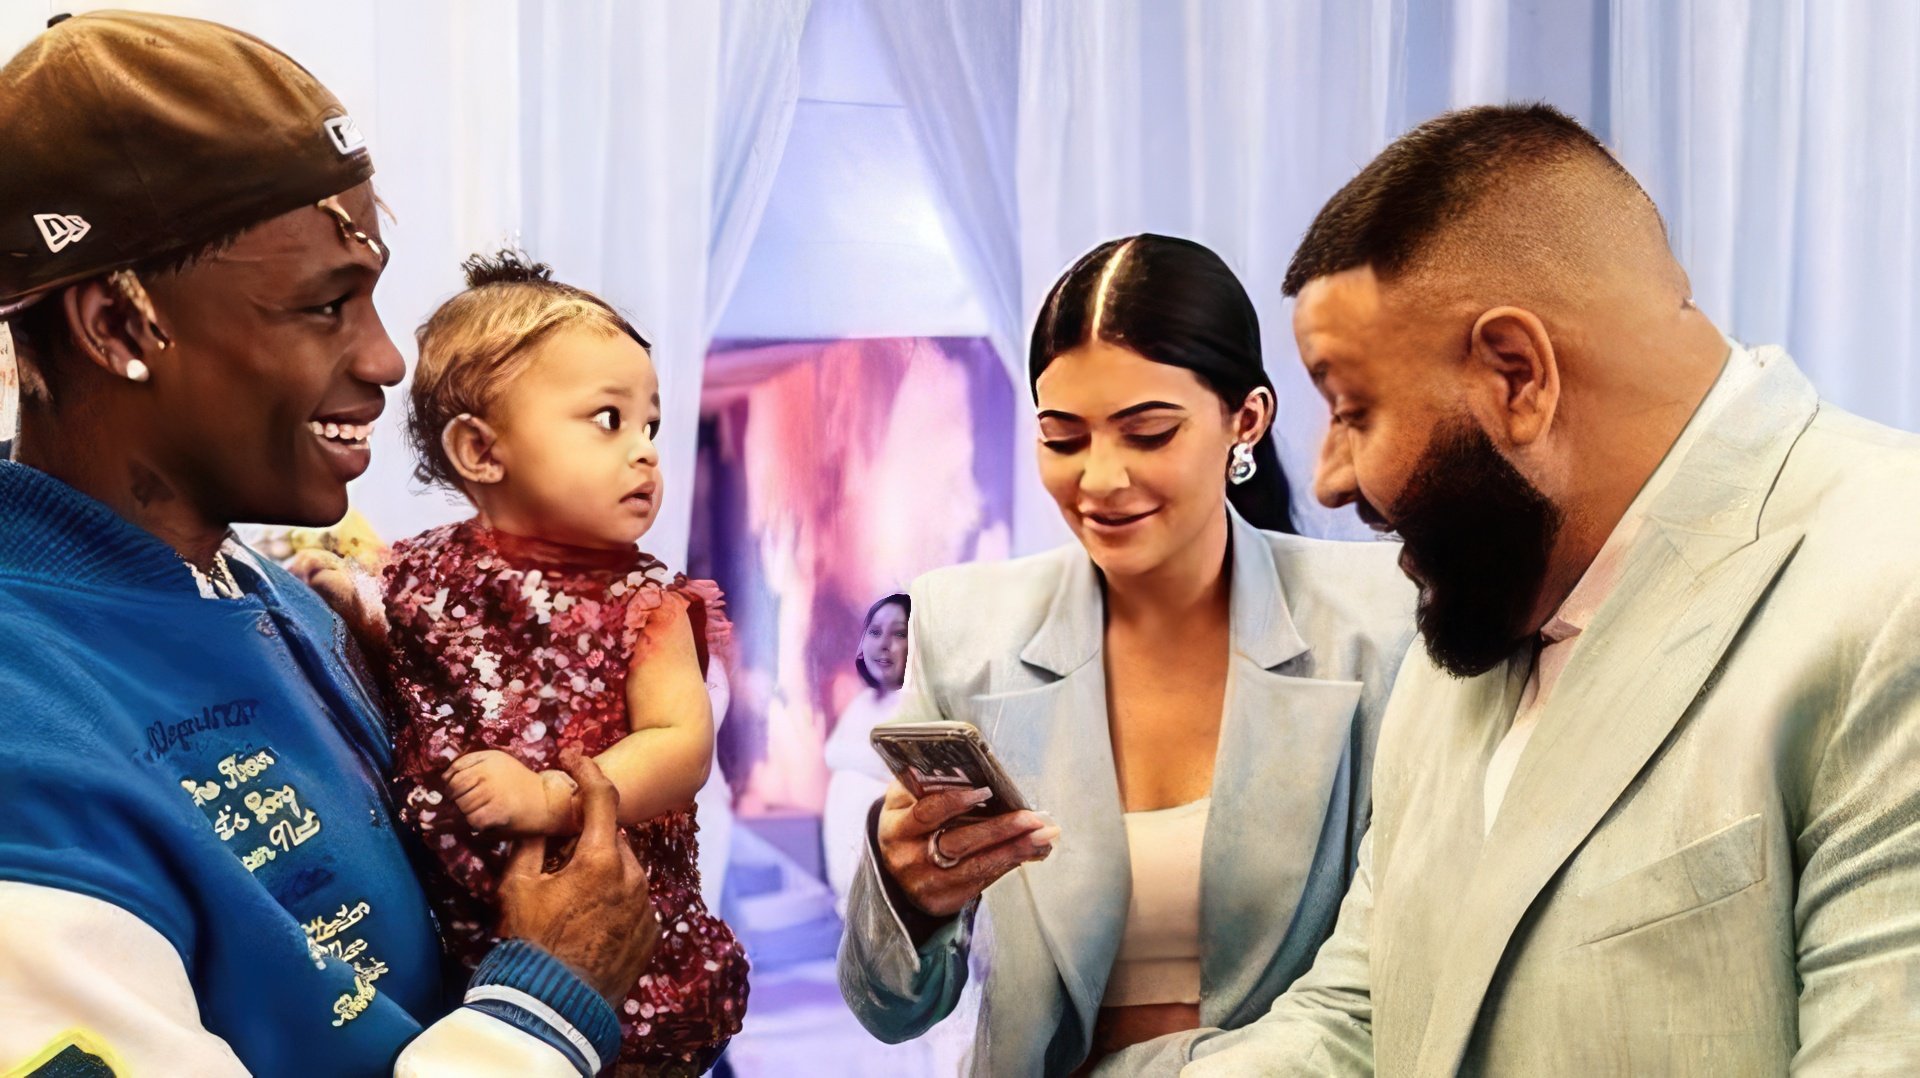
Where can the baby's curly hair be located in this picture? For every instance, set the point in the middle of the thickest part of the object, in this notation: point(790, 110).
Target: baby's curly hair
point(476, 343)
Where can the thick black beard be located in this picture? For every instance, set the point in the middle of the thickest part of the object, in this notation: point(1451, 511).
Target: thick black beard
point(1478, 537)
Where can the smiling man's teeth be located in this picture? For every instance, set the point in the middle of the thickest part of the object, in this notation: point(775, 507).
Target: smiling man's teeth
point(344, 433)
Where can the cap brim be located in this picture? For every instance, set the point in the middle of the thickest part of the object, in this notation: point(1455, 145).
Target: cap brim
point(11, 307)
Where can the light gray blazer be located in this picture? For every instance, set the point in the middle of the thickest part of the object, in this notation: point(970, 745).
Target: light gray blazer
point(1708, 861)
point(1318, 630)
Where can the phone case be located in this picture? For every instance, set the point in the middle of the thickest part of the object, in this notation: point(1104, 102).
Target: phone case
point(928, 757)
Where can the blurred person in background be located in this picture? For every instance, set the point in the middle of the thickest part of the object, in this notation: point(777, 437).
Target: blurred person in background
point(859, 778)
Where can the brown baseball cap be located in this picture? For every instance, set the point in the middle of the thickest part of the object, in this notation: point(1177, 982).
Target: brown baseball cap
point(129, 136)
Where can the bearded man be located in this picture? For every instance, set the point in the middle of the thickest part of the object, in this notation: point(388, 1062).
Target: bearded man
point(1649, 803)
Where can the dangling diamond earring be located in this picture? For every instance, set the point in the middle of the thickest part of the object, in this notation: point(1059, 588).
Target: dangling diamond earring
point(1240, 466)
point(137, 371)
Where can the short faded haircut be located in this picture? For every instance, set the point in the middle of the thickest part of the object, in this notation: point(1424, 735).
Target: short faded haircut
point(1394, 214)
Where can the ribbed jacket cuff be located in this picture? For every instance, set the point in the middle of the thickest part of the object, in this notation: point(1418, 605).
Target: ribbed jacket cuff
point(526, 987)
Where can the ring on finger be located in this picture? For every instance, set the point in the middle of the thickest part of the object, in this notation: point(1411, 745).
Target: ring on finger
point(936, 854)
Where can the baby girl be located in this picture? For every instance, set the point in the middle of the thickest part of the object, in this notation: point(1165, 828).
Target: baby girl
point(538, 625)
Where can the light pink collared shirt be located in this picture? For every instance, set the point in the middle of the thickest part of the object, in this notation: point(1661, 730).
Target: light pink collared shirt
point(1562, 631)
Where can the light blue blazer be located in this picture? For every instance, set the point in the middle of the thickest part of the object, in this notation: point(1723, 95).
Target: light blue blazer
point(1318, 630)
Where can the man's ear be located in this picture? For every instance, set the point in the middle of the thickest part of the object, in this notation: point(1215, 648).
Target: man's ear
point(1511, 344)
point(469, 444)
point(108, 331)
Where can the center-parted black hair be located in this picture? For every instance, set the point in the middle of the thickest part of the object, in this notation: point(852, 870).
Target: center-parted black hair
point(898, 599)
point(1174, 302)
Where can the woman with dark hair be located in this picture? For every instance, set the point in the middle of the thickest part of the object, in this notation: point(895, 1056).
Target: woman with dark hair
point(1190, 693)
point(857, 776)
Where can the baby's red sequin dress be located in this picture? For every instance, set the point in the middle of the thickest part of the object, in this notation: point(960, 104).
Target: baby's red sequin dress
point(501, 642)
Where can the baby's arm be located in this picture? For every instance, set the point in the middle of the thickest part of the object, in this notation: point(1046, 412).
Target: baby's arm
point(664, 761)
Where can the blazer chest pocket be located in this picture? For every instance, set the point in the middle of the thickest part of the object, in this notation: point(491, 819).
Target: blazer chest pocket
point(1704, 871)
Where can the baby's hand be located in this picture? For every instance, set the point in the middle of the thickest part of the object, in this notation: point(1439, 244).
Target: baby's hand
point(494, 790)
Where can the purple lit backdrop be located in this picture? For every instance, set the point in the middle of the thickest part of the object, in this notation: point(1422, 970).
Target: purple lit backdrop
point(832, 473)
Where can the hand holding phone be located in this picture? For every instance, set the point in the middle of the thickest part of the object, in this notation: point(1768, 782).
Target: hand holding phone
point(928, 757)
point(952, 822)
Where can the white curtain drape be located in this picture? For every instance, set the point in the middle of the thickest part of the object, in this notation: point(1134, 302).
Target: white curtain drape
point(632, 143)
point(1232, 122)
point(652, 130)
point(957, 64)
point(1778, 137)
point(1782, 140)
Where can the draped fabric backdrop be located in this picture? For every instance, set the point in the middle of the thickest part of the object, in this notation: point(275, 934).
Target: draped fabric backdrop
point(1783, 141)
point(1781, 138)
point(651, 129)
point(957, 63)
point(632, 143)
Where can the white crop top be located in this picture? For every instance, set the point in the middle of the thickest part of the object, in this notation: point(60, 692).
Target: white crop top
point(1159, 959)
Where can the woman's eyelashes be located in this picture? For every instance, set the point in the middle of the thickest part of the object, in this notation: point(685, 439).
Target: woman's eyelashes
point(1148, 440)
point(1152, 440)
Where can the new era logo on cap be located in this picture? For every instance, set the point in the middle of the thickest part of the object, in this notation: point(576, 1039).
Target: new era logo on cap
point(345, 134)
point(61, 230)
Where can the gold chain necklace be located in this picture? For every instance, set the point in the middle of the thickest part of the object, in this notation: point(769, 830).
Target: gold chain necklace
point(220, 582)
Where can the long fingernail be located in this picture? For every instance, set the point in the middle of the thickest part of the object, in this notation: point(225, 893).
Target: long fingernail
point(979, 795)
point(1047, 837)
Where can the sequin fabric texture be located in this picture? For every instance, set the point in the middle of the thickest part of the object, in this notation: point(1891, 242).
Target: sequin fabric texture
point(500, 642)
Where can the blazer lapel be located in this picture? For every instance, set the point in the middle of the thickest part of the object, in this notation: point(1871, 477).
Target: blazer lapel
point(1058, 735)
point(1687, 588)
point(1284, 743)
point(1053, 739)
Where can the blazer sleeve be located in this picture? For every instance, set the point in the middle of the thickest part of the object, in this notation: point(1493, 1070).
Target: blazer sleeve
point(1859, 851)
point(896, 989)
point(1321, 1026)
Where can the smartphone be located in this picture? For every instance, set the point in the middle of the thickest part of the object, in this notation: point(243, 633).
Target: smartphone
point(928, 757)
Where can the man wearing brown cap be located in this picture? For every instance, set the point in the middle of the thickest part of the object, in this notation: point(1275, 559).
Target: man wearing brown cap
point(198, 868)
